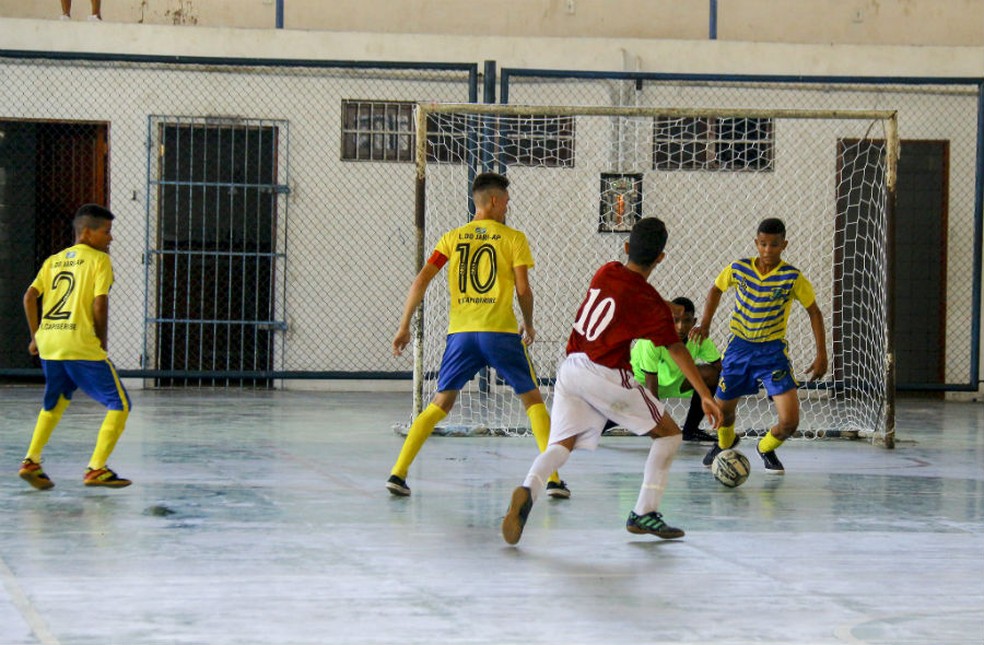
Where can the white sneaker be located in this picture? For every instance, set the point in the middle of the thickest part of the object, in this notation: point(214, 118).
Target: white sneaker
point(95, 19)
point(64, 16)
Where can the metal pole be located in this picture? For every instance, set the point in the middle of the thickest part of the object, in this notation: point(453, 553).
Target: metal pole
point(892, 151)
point(280, 14)
point(712, 27)
point(420, 210)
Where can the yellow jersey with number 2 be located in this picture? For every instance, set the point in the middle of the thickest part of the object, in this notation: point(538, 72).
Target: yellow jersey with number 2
point(69, 283)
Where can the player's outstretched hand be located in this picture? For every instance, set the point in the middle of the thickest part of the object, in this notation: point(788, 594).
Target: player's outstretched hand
point(818, 368)
point(400, 341)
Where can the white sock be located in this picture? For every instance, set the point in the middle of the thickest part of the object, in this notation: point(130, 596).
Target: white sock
point(657, 471)
point(548, 461)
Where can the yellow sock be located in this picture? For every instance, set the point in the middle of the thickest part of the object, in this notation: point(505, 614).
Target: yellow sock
point(726, 436)
point(109, 433)
point(47, 420)
point(419, 431)
point(769, 443)
point(540, 424)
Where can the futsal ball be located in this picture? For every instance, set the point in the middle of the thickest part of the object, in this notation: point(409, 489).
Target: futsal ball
point(731, 468)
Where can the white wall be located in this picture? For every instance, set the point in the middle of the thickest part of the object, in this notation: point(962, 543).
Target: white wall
point(129, 116)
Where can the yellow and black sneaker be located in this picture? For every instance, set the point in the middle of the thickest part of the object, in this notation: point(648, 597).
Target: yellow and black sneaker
point(104, 477)
point(33, 474)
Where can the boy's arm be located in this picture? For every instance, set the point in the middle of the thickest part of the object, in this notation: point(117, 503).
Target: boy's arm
point(524, 294)
point(414, 297)
point(31, 313)
point(100, 320)
point(819, 366)
point(700, 331)
point(680, 355)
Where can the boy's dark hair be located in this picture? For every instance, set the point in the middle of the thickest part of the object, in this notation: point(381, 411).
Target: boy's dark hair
point(91, 216)
point(647, 240)
point(488, 180)
point(772, 226)
point(686, 303)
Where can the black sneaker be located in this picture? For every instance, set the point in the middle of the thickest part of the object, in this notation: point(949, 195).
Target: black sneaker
point(716, 450)
point(515, 519)
point(558, 490)
point(397, 486)
point(652, 524)
point(698, 435)
point(771, 461)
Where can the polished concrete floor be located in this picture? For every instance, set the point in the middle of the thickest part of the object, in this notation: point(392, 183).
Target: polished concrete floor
point(261, 518)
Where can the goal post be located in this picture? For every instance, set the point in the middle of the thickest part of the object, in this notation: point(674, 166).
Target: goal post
point(582, 175)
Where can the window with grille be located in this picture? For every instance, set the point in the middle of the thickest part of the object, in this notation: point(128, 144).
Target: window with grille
point(697, 143)
point(377, 131)
point(384, 131)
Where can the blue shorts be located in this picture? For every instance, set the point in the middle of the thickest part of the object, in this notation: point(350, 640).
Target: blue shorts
point(98, 379)
point(747, 366)
point(467, 352)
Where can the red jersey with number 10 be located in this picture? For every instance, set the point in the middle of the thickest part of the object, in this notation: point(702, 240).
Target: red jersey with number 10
point(620, 306)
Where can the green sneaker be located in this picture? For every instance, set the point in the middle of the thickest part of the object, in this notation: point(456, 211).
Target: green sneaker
point(515, 519)
point(653, 524)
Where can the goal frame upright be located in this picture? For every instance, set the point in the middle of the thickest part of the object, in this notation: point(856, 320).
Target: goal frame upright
point(884, 436)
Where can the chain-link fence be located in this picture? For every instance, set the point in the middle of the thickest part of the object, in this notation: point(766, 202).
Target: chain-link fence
point(264, 211)
point(938, 285)
point(265, 208)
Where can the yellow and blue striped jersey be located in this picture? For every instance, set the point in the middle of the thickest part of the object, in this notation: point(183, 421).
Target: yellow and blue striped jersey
point(762, 302)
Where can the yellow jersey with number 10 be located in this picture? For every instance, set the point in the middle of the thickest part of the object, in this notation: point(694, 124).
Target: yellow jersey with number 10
point(481, 256)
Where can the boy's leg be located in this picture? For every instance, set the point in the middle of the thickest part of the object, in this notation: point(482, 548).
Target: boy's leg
point(787, 408)
point(691, 426)
point(461, 361)
point(645, 517)
point(695, 413)
point(521, 502)
point(656, 472)
point(420, 430)
point(726, 433)
point(109, 433)
point(47, 420)
point(58, 388)
point(511, 359)
point(100, 381)
point(540, 426)
point(30, 469)
point(547, 462)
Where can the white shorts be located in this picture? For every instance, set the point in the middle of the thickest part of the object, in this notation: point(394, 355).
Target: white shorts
point(587, 394)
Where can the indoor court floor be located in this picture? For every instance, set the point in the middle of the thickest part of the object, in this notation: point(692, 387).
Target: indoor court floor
point(261, 517)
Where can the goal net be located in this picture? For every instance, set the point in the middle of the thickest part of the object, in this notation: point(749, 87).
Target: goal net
point(581, 176)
